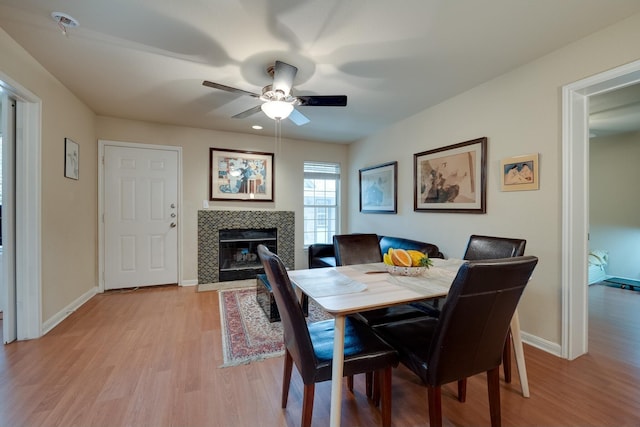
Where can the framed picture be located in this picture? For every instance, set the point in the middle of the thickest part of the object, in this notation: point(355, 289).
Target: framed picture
point(451, 178)
point(240, 175)
point(520, 173)
point(378, 188)
point(71, 159)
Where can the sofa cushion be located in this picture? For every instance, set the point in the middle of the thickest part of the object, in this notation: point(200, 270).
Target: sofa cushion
point(387, 242)
point(323, 255)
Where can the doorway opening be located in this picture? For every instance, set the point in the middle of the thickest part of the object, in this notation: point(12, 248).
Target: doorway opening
point(575, 200)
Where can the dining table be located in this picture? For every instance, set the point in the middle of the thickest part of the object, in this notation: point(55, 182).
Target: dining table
point(345, 290)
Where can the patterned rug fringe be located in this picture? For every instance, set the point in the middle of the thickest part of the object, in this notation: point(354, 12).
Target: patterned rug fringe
point(234, 284)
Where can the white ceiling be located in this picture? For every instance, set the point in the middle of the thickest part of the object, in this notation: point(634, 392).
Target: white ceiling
point(146, 60)
point(615, 112)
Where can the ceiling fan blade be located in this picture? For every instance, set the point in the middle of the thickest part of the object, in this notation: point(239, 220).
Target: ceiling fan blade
point(229, 88)
point(298, 118)
point(323, 101)
point(247, 113)
point(283, 75)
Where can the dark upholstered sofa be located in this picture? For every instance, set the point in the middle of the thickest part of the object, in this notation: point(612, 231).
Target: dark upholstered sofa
point(323, 255)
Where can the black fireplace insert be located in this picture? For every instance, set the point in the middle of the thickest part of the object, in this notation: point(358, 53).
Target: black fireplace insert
point(239, 251)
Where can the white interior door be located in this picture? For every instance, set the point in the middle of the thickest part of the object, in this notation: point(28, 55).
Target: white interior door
point(140, 217)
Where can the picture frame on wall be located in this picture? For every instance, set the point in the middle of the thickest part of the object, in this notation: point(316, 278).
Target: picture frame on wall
point(240, 175)
point(71, 159)
point(379, 188)
point(520, 173)
point(451, 178)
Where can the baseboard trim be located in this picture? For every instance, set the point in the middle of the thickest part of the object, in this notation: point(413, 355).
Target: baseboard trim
point(54, 320)
point(189, 282)
point(542, 344)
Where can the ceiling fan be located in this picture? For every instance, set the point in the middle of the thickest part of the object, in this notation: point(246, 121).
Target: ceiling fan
point(279, 100)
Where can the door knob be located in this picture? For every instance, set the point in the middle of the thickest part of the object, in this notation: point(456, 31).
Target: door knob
point(173, 205)
point(173, 215)
point(173, 225)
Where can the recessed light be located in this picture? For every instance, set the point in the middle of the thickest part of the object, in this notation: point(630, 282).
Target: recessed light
point(256, 127)
point(64, 19)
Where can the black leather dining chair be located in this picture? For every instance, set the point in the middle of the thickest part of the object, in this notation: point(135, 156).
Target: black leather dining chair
point(469, 335)
point(310, 346)
point(490, 247)
point(353, 249)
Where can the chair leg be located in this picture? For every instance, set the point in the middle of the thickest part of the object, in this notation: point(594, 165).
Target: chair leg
point(434, 396)
point(493, 384)
point(506, 357)
point(286, 377)
point(462, 390)
point(384, 378)
point(369, 384)
point(307, 404)
point(375, 393)
point(350, 383)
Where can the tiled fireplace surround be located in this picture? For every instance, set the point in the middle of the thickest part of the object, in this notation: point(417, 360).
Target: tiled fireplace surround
point(210, 222)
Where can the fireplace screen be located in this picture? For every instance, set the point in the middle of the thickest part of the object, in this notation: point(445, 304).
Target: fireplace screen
point(239, 252)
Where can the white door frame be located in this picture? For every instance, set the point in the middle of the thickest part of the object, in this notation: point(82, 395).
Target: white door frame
point(575, 200)
point(28, 252)
point(101, 240)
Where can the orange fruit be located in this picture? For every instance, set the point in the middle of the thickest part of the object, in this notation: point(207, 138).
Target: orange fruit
point(401, 258)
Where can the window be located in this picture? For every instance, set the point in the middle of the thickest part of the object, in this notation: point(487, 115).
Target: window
point(321, 202)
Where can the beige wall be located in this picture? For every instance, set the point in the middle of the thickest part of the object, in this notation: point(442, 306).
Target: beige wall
point(195, 145)
point(520, 113)
point(614, 205)
point(69, 209)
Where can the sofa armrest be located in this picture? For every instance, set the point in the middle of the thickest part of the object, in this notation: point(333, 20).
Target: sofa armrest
point(321, 255)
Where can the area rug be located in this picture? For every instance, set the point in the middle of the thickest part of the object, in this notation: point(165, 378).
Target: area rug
point(247, 334)
point(235, 284)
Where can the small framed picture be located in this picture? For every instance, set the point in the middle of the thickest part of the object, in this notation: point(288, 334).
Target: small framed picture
point(71, 159)
point(520, 173)
point(378, 188)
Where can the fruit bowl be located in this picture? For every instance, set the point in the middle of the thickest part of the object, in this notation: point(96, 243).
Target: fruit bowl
point(405, 271)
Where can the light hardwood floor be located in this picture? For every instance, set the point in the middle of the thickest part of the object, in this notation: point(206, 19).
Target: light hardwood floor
point(151, 357)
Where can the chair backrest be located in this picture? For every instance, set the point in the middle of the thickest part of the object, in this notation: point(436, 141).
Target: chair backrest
point(356, 249)
point(475, 318)
point(488, 247)
point(296, 334)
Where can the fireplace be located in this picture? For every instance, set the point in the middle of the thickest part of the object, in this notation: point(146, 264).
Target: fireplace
point(211, 222)
point(239, 251)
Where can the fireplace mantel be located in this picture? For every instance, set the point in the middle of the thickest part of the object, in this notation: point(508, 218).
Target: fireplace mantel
point(210, 222)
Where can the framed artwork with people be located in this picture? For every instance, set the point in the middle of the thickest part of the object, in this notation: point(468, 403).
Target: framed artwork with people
point(240, 175)
point(520, 173)
point(451, 178)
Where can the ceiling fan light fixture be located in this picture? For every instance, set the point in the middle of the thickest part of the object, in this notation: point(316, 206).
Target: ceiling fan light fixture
point(277, 110)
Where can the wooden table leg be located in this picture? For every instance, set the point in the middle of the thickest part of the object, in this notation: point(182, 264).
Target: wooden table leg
point(519, 351)
point(336, 373)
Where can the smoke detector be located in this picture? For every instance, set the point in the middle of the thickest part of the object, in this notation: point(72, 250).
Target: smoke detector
point(64, 21)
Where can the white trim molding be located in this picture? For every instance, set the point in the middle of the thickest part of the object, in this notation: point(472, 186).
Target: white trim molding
point(28, 210)
point(54, 320)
